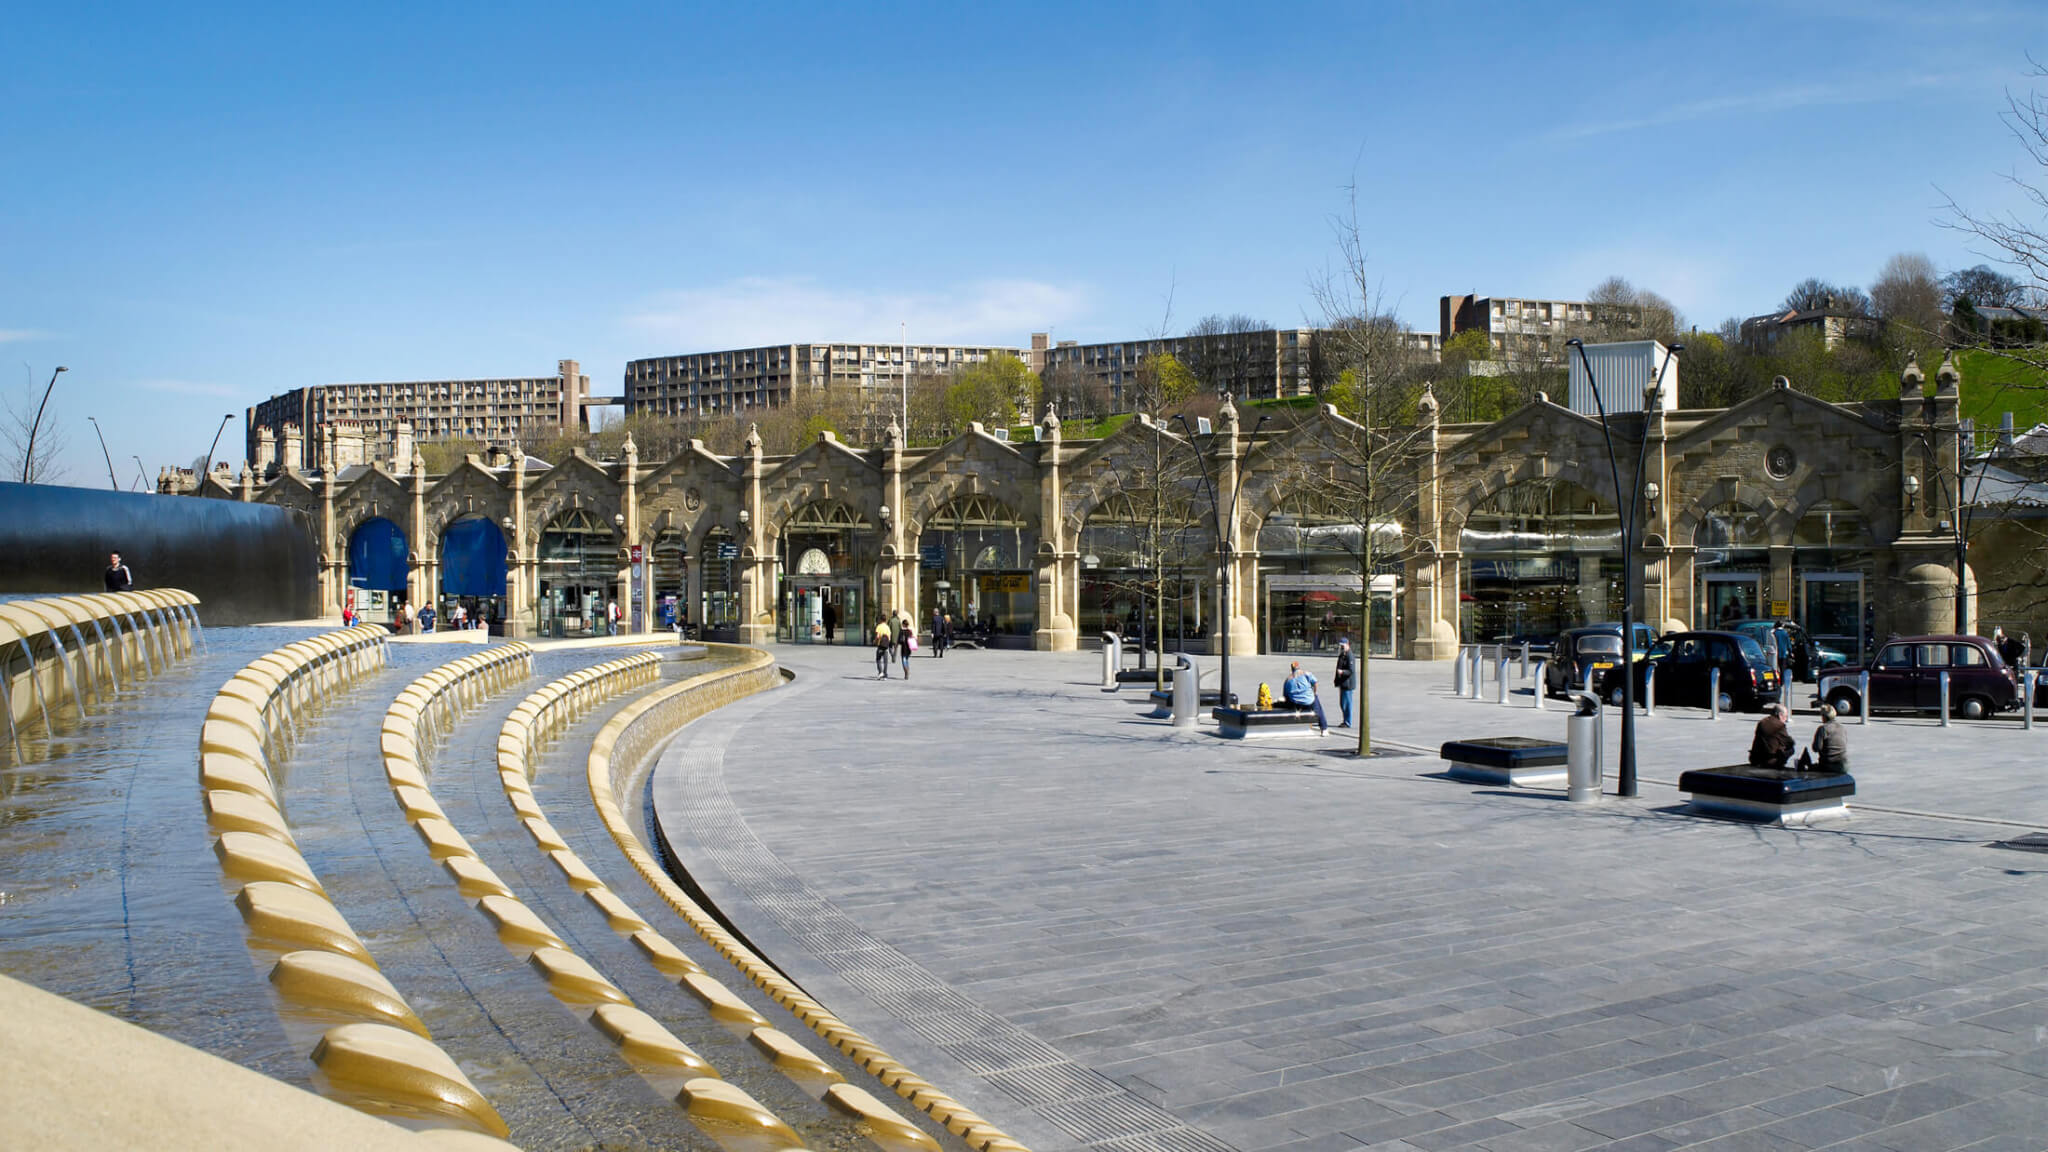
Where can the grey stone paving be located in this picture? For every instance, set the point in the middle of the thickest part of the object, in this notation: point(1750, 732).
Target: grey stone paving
point(1101, 933)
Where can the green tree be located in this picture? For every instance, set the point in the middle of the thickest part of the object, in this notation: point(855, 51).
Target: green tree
point(1163, 382)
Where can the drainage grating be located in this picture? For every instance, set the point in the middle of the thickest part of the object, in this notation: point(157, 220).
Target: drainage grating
point(2031, 842)
point(1104, 1118)
point(1050, 1083)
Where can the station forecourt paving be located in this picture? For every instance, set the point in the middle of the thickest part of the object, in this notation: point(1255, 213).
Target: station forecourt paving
point(1099, 931)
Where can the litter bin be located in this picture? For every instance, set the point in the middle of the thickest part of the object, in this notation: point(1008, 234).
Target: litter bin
point(1582, 738)
point(1187, 694)
point(1112, 658)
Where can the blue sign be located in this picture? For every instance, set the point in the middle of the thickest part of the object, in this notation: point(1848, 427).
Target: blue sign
point(932, 555)
point(727, 550)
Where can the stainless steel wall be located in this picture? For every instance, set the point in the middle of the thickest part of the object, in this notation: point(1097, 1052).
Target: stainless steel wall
point(247, 562)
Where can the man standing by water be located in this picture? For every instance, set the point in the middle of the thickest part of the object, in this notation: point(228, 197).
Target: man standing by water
point(119, 579)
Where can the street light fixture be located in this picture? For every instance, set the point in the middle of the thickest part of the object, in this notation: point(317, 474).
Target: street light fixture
point(141, 473)
point(207, 468)
point(1626, 784)
point(1223, 544)
point(28, 457)
point(111, 482)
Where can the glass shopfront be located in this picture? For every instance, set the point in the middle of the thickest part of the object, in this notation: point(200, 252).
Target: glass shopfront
point(579, 567)
point(1539, 557)
point(1732, 565)
point(1129, 552)
point(974, 564)
point(1833, 561)
point(1308, 570)
point(827, 552)
point(719, 613)
point(669, 578)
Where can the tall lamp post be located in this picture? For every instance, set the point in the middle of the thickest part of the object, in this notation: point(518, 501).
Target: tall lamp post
point(28, 457)
point(111, 482)
point(1223, 543)
point(141, 474)
point(1626, 784)
point(206, 469)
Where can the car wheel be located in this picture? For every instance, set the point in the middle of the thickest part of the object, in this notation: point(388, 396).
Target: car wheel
point(1727, 702)
point(1843, 702)
point(1974, 708)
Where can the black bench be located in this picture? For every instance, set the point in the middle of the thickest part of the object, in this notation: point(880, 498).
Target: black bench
point(1511, 760)
point(1771, 795)
point(1141, 675)
point(1253, 724)
point(1162, 701)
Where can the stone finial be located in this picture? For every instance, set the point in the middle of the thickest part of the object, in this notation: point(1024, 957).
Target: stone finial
point(1426, 408)
point(1948, 379)
point(1051, 423)
point(892, 436)
point(1781, 383)
point(244, 477)
point(631, 450)
point(1912, 381)
point(753, 438)
point(1226, 415)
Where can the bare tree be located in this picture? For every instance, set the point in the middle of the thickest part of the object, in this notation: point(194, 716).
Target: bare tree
point(1814, 294)
point(18, 426)
point(1983, 286)
point(2018, 240)
point(1907, 297)
point(1622, 311)
point(1366, 461)
point(1224, 354)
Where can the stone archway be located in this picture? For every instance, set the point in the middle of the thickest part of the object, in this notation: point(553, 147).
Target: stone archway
point(827, 561)
point(1537, 557)
point(976, 560)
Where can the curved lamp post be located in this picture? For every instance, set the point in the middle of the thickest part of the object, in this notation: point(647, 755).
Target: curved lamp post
point(206, 469)
point(1626, 783)
point(28, 457)
point(111, 482)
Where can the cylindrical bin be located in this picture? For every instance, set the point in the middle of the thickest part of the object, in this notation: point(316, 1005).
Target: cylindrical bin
point(1458, 674)
point(1187, 694)
point(1112, 658)
point(1582, 750)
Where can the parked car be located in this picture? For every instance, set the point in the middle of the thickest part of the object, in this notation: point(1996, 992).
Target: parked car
point(1594, 648)
point(1685, 662)
point(1810, 657)
point(1906, 676)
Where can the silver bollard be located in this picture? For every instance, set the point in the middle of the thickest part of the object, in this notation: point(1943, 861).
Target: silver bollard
point(1649, 689)
point(1944, 697)
point(1478, 670)
point(2027, 704)
point(1536, 695)
point(1584, 737)
point(1714, 694)
point(1863, 697)
point(1112, 658)
point(1525, 659)
point(1458, 674)
point(1500, 681)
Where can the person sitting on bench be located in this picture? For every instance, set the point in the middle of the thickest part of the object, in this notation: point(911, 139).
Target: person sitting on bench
point(1773, 745)
point(1300, 691)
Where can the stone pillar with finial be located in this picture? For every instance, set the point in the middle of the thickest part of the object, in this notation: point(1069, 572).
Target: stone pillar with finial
point(1056, 560)
point(521, 590)
point(634, 611)
point(1432, 567)
point(419, 586)
point(757, 619)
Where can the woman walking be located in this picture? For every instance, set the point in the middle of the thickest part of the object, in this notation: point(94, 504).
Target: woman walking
point(906, 642)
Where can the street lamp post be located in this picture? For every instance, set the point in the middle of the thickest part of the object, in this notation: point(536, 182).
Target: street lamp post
point(111, 482)
point(1626, 783)
point(28, 457)
point(206, 469)
point(141, 473)
point(1223, 544)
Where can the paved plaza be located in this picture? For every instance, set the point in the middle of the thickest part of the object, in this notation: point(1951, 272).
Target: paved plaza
point(1102, 932)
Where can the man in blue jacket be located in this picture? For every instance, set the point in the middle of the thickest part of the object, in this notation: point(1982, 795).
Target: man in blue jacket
point(1300, 691)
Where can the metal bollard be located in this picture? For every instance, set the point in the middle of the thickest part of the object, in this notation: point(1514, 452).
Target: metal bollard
point(1500, 681)
point(1863, 697)
point(2027, 705)
point(1649, 689)
point(1525, 659)
point(1458, 674)
point(1478, 670)
point(1714, 694)
point(1536, 695)
point(1585, 741)
point(1944, 698)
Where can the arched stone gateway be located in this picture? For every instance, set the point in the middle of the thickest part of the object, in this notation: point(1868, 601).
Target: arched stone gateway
point(472, 565)
point(377, 568)
point(1310, 556)
point(1841, 516)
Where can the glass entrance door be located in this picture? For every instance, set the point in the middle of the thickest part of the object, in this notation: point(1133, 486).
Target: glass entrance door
point(1831, 606)
point(1728, 597)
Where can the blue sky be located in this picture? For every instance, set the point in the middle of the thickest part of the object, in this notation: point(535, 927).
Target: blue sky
point(204, 205)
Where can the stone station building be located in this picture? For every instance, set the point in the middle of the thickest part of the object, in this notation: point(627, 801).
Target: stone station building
point(1839, 516)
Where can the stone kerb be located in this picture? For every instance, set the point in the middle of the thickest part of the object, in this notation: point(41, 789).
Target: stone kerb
point(619, 752)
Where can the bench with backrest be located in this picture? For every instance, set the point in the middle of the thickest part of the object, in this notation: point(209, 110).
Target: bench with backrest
point(1769, 795)
point(1257, 724)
